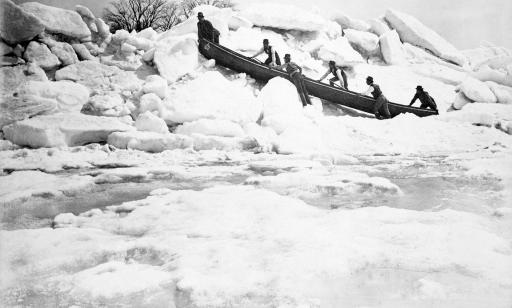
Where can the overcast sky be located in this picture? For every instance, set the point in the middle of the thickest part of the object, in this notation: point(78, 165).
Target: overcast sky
point(465, 23)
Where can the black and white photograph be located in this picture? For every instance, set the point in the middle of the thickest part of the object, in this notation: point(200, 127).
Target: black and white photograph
point(256, 153)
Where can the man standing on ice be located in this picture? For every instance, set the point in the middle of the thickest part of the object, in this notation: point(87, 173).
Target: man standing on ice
point(205, 29)
point(380, 109)
point(295, 73)
point(273, 57)
point(338, 73)
point(426, 100)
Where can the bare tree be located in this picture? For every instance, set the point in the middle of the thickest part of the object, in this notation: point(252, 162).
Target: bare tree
point(188, 5)
point(141, 14)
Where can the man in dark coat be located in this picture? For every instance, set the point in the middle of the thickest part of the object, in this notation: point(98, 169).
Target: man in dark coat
point(338, 73)
point(205, 29)
point(273, 57)
point(295, 73)
point(380, 109)
point(426, 100)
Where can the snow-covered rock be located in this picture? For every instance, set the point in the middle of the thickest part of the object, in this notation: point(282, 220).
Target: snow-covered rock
point(477, 91)
point(151, 102)
point(490, 115)
point(41, 55)
point(413, 31)
point(110, 104)
point(149, 141)
point(347, 22)
point(211, 96)
point(149, 122)
point(22, 185)
point(176, 57)
point(92, 74)
point(392, 49)
point(67, 129)
point(127, 49)
point(485, 73)
point(84, 11)
point(148, 33)
point(82, 52)
point(14, 109)
point(103, 28)
point(65, 53)
point(365, 42)
point(282, 16)
point(503, 93)
point(17, 25)
point(378, 26)
point(68, 96)
point(155, 84)
point(57, 20)
point(13, 77)
point(279, 96)
point(139, 43)
point(460, 101)
point(340, 51)
point(222, 128)
point(5, 49)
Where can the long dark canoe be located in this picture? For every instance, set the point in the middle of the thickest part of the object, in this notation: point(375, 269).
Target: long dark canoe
point(240, 63)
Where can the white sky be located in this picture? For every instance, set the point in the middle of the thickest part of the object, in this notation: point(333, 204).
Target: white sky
point(465, 23)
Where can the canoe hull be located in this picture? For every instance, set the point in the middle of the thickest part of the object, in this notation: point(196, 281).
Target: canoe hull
point(237, 62)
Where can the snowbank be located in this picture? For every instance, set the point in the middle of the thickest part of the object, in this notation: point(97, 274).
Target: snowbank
point(176, 56)
point(413, 31)
point(365, 42)
point(149, 141)
point(62, 130)
point(211, 96)
point(392, 49)
point(68, 96)
point(282, 16)
point(151, 123)
point(477, 91)
point(340, 51)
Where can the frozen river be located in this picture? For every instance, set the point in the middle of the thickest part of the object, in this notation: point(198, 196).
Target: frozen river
point(263, 230)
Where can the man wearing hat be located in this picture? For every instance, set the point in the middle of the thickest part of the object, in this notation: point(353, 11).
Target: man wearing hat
point(205, 29)
point(295, 73)
point(273, 57)
point(338, 73)
point(380, 109)
point(426, 100)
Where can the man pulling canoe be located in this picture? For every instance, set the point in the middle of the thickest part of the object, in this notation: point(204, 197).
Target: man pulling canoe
point(426, 100)
point(380, 109)
point(295, 73)
point(338, 73)
point(273, 57)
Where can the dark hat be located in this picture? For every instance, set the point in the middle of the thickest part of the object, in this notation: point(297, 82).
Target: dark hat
point(265, 41)
point(332, 62)
point(369, 78)
point(287, 56)
point(200, 14)
point(419, 88)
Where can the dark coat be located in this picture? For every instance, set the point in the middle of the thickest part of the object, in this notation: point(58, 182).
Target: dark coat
point(206, 30)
